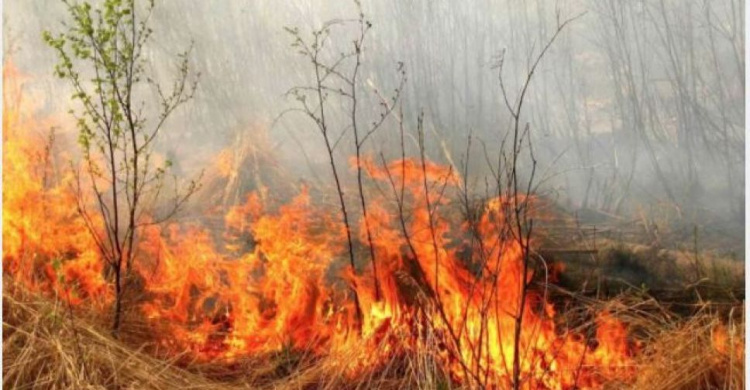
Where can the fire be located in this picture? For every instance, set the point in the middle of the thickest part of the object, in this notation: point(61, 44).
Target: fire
point(727, 343)
point(277, 283)
point(46, 245)
point(277, 277)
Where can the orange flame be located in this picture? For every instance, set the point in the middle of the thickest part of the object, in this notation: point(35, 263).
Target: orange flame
point(727, 343)
point(284, 290)
point(278, 278)
point(46, 245)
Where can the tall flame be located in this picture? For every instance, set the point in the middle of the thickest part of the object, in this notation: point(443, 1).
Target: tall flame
point(277, 276)
point(46, 245)
point(287, 289)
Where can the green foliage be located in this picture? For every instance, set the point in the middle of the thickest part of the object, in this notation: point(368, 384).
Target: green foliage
point(108, 42)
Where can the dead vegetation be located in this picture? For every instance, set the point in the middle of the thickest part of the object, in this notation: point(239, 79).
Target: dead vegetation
point(46, 345)
point(50, 344)
point(702, 352)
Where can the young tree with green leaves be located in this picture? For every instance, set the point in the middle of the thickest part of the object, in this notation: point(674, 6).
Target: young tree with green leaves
point(101, 55)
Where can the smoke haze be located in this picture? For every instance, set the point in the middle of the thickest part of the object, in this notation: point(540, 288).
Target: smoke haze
point(637, 104)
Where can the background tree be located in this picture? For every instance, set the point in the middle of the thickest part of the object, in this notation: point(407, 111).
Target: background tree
point(101, 54)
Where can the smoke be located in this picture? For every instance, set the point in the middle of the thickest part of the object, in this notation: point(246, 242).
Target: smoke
point(637, 103)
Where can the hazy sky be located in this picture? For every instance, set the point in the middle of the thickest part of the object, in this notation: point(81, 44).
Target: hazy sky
point(628, 95)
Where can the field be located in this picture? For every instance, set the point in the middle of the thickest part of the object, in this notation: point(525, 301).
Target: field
point(619, 314)
point(294, 214)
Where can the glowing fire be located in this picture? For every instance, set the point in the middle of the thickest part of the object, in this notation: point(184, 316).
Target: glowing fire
point(279, 277)
point(46, 246)
point(727, 343)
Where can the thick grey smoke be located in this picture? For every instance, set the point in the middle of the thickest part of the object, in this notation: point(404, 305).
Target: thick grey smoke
point(637, 102)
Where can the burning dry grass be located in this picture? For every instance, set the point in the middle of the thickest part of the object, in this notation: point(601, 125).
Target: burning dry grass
point(702, 352)
point(46, 346)
point(263, 301)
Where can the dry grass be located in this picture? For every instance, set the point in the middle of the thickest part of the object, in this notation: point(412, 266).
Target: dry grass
point(45, 348)
point(688, 356)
